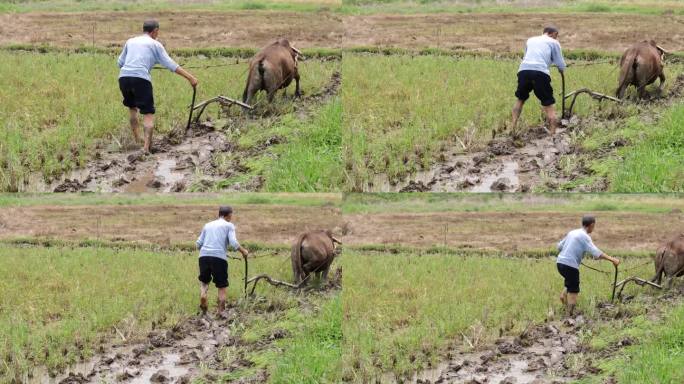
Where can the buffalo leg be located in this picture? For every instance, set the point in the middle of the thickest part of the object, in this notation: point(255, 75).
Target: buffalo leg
point(662, 81)
point(298, 92)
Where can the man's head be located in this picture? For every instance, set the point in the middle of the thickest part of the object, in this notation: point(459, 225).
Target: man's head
point(151, 27)
point(225, 212)
point(588, 222)
point(551, 31)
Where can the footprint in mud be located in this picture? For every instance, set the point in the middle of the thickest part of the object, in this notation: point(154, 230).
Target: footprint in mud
point(172, 356)
point(181, 159)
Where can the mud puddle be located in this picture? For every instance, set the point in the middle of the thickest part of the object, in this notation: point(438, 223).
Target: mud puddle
point(535, 356)
point(505, 165)
point(180, 161)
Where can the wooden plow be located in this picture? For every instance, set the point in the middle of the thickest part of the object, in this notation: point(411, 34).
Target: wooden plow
point(224, 101)
point(567, 112)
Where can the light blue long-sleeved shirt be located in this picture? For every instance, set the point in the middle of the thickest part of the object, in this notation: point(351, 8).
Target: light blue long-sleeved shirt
point(540, 53)
point(140, 54)
point(573, 247)
point(215, 238)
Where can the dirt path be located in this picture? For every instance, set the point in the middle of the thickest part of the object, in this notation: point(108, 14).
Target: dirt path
point(186, 29)
point(551, 352)
point(194, 348)
point(179, 161)
point(533, 161)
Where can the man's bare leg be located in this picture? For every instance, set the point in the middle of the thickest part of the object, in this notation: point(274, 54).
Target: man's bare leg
point(135, 124)
point(204, 290)
point(564, 296)
point(148, 124)
point(222, 300)
point(550, 112)
point(517, 110)
point(572, 302)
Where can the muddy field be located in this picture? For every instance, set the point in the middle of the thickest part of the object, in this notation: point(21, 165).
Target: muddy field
point(159, 224)
point(182, 160)
point(162, 224)
point(508, 32)
point(206, 347)
point(193, 29)
point(533, 160)
point(555, 351)
point(485, 32)
point(510, 231)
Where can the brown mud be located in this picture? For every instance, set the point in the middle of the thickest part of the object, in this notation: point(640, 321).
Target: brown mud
point(555, 351)
point(531, 161)
point(181, 160)
point(204, 347)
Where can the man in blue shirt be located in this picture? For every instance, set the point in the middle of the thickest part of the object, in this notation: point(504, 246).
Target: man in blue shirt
point(138, 57)
point(572, 249)
point(533, 74)
point(212, 243)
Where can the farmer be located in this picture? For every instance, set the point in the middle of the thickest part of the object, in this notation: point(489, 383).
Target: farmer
point(213, 261)
point(572, 249)
point(138, 57)
point(533, 74)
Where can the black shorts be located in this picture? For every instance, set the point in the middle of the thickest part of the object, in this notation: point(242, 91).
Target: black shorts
point(137, 93)
point(540, 82)
point(572, 278)
point(213, 268)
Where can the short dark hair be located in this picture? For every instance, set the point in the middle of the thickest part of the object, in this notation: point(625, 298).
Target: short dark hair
point(550, 29)
point(150, 25)
point(588, 220)
point(225, 210)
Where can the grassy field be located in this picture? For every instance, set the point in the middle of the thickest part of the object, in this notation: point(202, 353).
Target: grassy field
point(59, 304)
point(353, 6)
point(402, 311)
point(75, 102)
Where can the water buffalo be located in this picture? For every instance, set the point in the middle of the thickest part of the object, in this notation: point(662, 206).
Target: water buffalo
point(271, 69)
point(640, 66)
point(313, 252)
point(670, 260)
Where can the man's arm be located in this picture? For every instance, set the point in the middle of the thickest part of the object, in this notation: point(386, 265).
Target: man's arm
point(122, 56)
point(200, 239)
point(557, 58)
point(561, 244)
point(164, 59)
point(597, 254)
point(232, 241)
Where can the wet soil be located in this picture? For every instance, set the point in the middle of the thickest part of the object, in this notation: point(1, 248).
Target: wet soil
point(194, 348)
point(181, 160)
point(556, 351)
point(530, 161)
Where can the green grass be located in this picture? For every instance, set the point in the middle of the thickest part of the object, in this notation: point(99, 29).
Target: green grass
point(401, 111)
point(313, 160)
point(261, 198)
point(56, 106)
point(12, 6)
point(655, 163)
point(58, 304)
point(642, 7)
point(403, 310)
